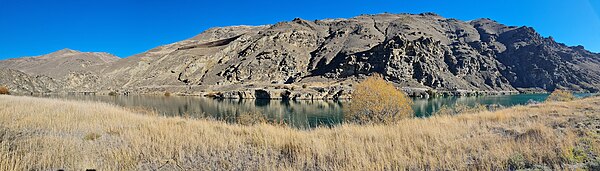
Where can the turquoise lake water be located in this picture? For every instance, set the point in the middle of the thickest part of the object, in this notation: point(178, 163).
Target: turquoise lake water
point(300, 114)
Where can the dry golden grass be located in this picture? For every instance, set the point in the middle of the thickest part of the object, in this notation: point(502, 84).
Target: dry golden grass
point(251, 118)
point(460, 109)
point(50, 134)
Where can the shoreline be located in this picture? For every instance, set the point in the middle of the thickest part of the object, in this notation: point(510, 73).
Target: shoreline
point(284, 94)
point(51, 134)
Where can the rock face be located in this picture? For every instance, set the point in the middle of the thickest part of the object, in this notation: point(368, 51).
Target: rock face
point(21, 83)
point(324, 58)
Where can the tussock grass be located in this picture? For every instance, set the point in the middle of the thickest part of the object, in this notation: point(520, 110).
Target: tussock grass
point(460, 109)
point(50, 134)
point(251, 118)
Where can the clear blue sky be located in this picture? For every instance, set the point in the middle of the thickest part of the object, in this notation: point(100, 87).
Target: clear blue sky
point(127, 27)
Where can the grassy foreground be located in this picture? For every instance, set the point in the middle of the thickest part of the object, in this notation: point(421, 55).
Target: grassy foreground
point(38, 133)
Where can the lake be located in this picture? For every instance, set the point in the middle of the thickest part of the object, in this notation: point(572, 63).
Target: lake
point(299, 114)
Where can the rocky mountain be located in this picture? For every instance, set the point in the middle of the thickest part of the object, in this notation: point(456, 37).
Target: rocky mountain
point(61, 63)
point(21, 83)
point(61, 71)
point(323, 58)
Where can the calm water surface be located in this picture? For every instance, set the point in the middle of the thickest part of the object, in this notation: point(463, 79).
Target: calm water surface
point(300, 114)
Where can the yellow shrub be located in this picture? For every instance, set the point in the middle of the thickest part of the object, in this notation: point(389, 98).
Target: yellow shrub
point(560, 95)
point(4, 90)
point(376, 101)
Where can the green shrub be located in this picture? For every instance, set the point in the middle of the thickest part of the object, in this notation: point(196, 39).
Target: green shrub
point(375, 101)
point(517, 161)
point(167, 94)
point(112, 93)
point(576, 155)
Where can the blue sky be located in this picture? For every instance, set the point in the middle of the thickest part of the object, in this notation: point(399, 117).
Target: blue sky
point(127, 27)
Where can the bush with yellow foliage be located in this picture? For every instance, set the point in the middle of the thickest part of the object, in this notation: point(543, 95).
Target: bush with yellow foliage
point(561, 96)
point(4, 90)
point(376, 101)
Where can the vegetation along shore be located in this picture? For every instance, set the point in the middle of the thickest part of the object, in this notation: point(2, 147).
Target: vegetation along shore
point(38, 133)
point(311, 85)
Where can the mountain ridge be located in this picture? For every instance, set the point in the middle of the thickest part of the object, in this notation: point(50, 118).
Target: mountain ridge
point(415, 51)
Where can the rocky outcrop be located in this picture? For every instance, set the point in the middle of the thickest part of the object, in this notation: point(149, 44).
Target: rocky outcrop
point(418, 51)
point(533, 61)
point(422, 53)
point(310, 93)
point(21, 83)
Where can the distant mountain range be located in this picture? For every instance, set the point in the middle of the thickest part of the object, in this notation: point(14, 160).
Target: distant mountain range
point(323, 59)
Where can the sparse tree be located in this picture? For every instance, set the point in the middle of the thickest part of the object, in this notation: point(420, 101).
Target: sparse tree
point(376, 101)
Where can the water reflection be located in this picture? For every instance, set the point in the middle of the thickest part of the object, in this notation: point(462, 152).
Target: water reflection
point(426, 107)
point(299, 114)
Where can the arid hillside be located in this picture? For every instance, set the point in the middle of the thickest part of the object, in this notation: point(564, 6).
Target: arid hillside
point(61, 71)
point(415, 51)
